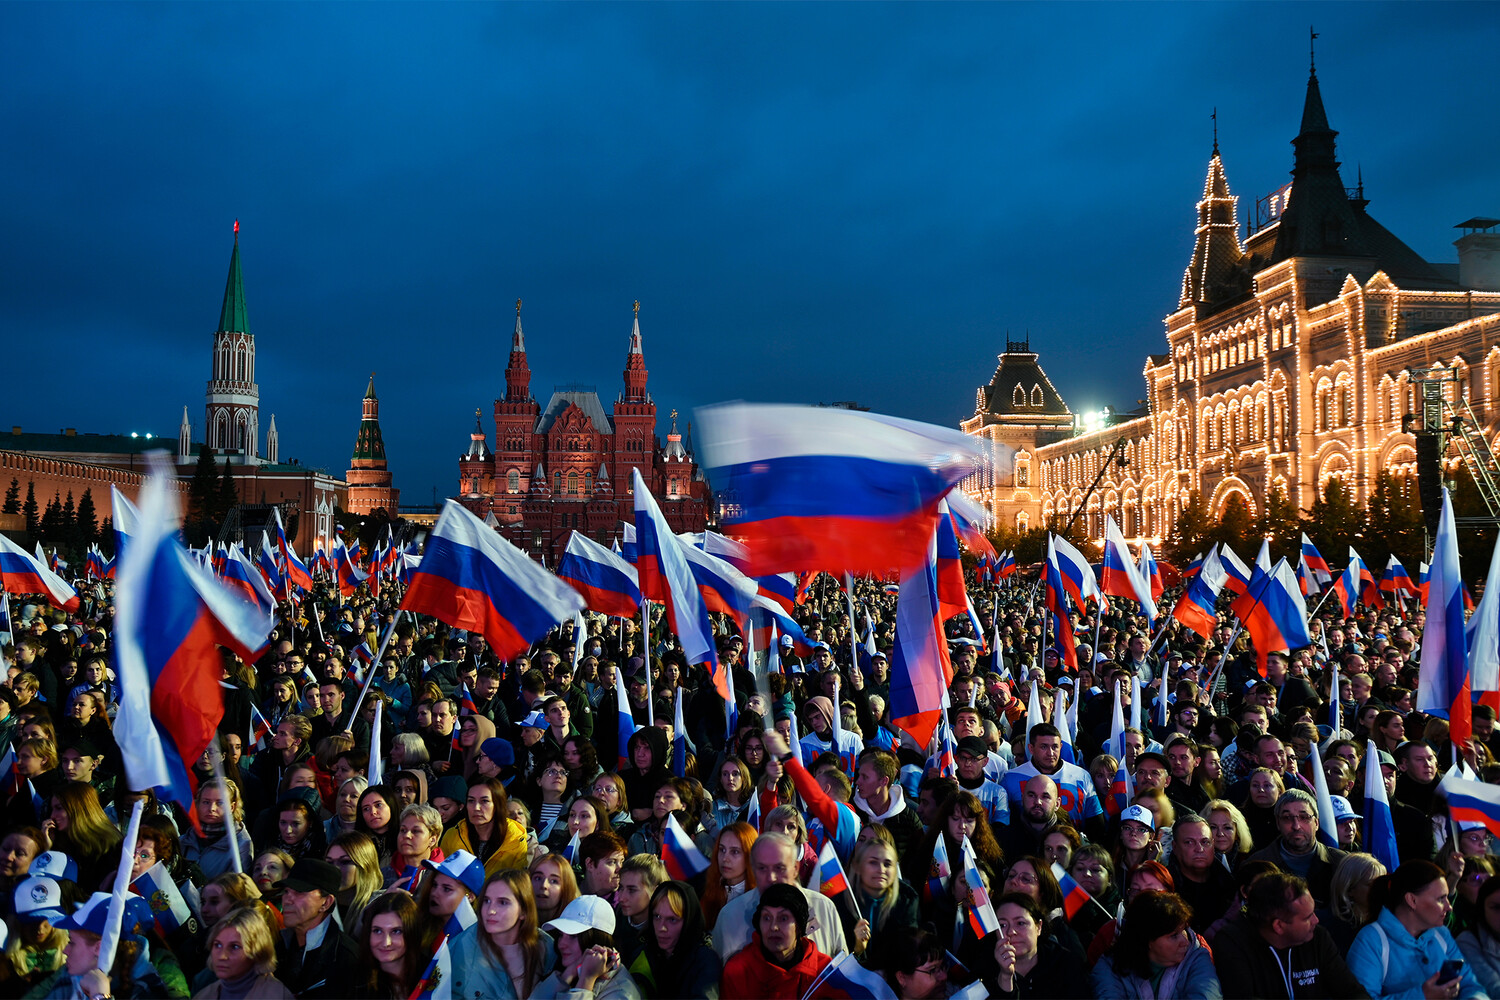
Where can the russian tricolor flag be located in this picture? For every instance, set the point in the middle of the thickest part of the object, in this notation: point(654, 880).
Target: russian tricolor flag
point(845, 979)
point(1075, 896)
point(1482, 634)
point(831, 880)
point(1056, 602)
point(1443, 684)
point(240, 576)
point(1470, 801)
point(1395, 580)
point(295, 572)
point(1273, 610)
point(170, 615)
point(953, 598)
point(1315, 560)
point(666, 575)
point(683, 859)
point(1151, 572)
point(1346, 587)
point(1193, 566)
point(819, 488)
point(626, 725)
point(724, 588)
point(167, 905)
point(270, 569)
point(939, 871)
point(1120, 577)
point(781, 588)
point(981, 914)
point(470, 577)
point(1078, 577)
point(21, 573)
point(348, 575)
point(767, 619)
point(1238, 574)
point(969, 521)
point(607, 582)
point(1197, 608)
point(1007, 564)
point(920, 668)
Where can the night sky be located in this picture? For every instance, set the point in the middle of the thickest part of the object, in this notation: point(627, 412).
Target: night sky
point(811, 202)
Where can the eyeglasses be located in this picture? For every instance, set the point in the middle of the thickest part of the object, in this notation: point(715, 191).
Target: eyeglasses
point(553, 772)
point(1021, 878)
point(935, 969)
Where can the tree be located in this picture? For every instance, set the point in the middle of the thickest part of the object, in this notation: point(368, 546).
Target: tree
point(88, 518)
point(1334, 522)
point(1282, 524)
point(13, 497)
point(107, 537)
point(1190, 535)
point(30, 509)
point(228, 495)
point(1236, 527)
point(1393, 525)
point(202, 495)
point(52, 522)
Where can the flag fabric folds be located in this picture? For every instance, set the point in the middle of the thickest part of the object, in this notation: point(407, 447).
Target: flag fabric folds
point(1379, 825)
point(823, 488)
point(168, 907)
point(607, 582)
point(920, 668)
point(21, 573)
point(666, 575)
point(981, 914)
point(1120, 577)
point(1273, 610)
point(1197, 608)
point(171, 613)
point(683, 860)
point(1482, 634)
point(1443, 685)
point(472, 578)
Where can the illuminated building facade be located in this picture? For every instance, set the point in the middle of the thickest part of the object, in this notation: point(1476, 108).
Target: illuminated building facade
point(1285, 365)
point(567, 466)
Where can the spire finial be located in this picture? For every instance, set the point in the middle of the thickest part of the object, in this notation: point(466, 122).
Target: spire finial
point(476, 413)
point(236, 231)
point(518, 308)
point(1312, 51)
point(1215, 118)
point(637, 308)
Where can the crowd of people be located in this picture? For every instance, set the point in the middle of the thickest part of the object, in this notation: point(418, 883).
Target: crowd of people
point(510, 848)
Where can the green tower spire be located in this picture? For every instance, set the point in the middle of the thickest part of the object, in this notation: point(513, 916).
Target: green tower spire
point(232, 317)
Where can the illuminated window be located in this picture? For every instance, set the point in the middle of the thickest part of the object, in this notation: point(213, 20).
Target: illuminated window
point(513, 482)
point(1036, 395)
point(1023, 521)
point(572, 482)
point(1018, 397)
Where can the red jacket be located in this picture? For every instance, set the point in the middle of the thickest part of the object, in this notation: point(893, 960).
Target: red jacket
point(749, 976)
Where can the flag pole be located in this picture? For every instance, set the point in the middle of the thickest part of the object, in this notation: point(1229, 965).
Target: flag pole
point(849, 594)
point(115, 917)
point(390, 630)
point(646, 653)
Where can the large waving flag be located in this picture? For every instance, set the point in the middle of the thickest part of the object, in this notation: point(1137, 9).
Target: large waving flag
point(270, 569)
point(683, 860)
point(1347, 587)
point(1197, 608)
point(1120, 576)
point(170, 616)
point(920, 668)
point(1443, 684)
point(1274, 612)
point(1151, 572)
point(626, 725)
point(953, 597)
point(821, 488)
point(1471, 801)
point(607, 582)
point(21, 573)
point(472, 578)
point(781, 588)
point(724, 588)
point(667, 576)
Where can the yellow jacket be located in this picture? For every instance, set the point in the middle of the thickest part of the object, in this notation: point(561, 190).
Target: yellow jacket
point(510, 854)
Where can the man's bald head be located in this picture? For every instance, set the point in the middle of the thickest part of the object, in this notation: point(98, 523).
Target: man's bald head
point(774, 858)
point(1039, 799)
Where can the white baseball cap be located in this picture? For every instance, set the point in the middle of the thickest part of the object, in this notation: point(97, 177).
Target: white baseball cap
point(1342, 810)
point(1141, 815)
point(39, 898)
point(586, 913)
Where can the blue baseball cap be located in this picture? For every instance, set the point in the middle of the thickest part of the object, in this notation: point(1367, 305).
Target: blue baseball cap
point(536, 720)
point(92, 915)
point(461, 866)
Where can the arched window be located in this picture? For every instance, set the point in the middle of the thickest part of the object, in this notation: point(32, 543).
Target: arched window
point(1036, 395)
point(1023, 521)
point(557, 481)
point(573, 482)
point(672, 487)
point(513, 481)
point(1018, 397)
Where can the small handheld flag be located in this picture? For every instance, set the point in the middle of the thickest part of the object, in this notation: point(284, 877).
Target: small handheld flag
point(682, 858)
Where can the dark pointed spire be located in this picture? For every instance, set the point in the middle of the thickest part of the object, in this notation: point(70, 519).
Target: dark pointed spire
point(517, 370)
point(518, 338)
point(1211, 274)
point(232, 317)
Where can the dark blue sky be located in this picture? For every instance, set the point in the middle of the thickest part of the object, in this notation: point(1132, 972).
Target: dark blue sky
point(811, 202)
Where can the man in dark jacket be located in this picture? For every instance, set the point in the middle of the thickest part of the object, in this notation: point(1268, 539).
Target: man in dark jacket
point(1279, 949)
point(878, 799)
point(313, 957)
point(1297, 849)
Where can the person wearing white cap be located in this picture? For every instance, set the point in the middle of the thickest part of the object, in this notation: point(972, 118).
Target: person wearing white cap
point(588, 964)
point(1348, 821)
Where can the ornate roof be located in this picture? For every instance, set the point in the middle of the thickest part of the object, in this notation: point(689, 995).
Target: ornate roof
point(232, 315)
point(1019, 386)
point(1216, 272)
point(588, 402)
point(478, 452)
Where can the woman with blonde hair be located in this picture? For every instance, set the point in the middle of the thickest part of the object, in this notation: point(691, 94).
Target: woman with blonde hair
point(885, 903)
point(1349, 898)
point(729, 874)
point(510, 953)
point(1230, 831)
point(217, 805)
point(78, 827)
point(242, 957)
point(354, 855)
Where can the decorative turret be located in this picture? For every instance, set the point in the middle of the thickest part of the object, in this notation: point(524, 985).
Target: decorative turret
point(602, 486)
point(674, 451)
point(273, 442)
point(1319, 219)
point(1214, 273)
point(635, 362)
point(478, 452)
point(517, 371)
point(369, 445)
point(185, 438)
point(539, 481)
